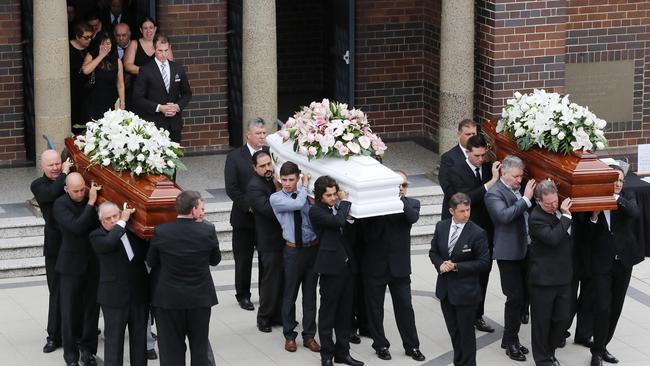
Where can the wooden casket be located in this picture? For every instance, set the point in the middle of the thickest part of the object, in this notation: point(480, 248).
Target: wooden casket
point(580, 175)
point(153, 196)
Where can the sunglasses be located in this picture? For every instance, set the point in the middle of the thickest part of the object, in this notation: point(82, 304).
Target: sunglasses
point(87, 38)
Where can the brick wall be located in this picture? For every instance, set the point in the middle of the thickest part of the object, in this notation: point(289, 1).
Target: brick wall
point(12, 148)
point(613, 31)
point(197, 31)
point(520, 46)
point(397, 58)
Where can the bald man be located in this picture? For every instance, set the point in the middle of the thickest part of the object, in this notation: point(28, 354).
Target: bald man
point(46, 190)
point(77, 265)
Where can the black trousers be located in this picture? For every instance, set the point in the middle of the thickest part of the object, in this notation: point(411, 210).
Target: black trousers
point(359, 315)
point(582, 308)
point(116, 320)
point(400, 292)
point(79, 314)
point(609, 296)
point(460, 325)
point(483, 279)
point(513, 285)
point(299, 273)
point(243, 247)
point(271, 285)
point(335, 314)
point(549, 316)
point(176, 324)
point(54, 308)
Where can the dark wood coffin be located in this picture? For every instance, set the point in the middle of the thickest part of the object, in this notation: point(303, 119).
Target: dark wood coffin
point(152, 196)
point(588, 181)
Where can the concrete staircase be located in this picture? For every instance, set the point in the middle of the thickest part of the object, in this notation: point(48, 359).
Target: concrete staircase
point(21, 239)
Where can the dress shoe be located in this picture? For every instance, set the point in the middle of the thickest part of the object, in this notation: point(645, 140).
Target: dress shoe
point(415, 354)
point(50, 345)
point(354, 338)
point(246, 304)
point(515, 353)
point(585, 342)
point(383, 353)
point(311, 344)
point(264, 328)
point(523, 349)
point(151, 354)
point(525, 318)
point(608, 357)
point(290, 345)
point(596, 360)
point(88, 359)
point(348, 360)
point(326, 362)
point(481, 325)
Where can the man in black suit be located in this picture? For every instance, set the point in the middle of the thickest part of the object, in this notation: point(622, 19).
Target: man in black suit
point(550, 268)
point(114, 15)
point(336, 265)
point(614, 249)
point(162, 91)
point(459, 252)
point(455, 156)
point(180, 255)
point(123, 291)
point(77, 265)
point(474, 176)
point(46, 190)
point(237, 173)
point(269, 241)
point(388, 263)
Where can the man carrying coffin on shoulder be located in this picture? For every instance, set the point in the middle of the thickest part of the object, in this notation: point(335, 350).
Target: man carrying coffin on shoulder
point(123, 290)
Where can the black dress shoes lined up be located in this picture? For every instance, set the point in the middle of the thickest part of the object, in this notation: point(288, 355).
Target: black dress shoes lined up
point(523, 349)
point(515, 353)
point(383, 353)
point(589, 342)
point(348, 360)
point(50, 345)
point(88, 359)
point(608, 357)
point(264, 327)
point(481, 325)
point(327, 362)
point(415, 354)
point(246, 304)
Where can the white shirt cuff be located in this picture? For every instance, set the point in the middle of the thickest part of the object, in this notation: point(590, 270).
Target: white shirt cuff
point(122, 223)
point(527, 201)
point(567, 216)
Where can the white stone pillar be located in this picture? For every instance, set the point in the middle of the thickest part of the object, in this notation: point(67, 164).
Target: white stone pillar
point(456, 68)
point(259, 62)
point(51, 73)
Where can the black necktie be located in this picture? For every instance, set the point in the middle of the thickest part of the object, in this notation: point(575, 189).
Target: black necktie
point(478, 175)
point(115, 21)
point(297, 224)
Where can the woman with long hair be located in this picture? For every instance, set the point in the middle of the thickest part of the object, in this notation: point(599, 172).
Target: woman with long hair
point(106, 76)
point(78, 48)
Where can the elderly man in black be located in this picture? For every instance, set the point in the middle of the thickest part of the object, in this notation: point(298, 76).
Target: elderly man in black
point(123, 291)
point(270, 242)
point(77, 264)
point(550, 265)
point(46, 190)
point(614, 251)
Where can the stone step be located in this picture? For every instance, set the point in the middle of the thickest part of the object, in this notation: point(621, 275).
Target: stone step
point(24, 247)
point(22, 267)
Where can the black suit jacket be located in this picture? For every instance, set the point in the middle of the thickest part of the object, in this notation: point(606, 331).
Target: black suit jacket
point(462, 178)
point(181, 253)
point(75, 220)
point(121, 282)
point(335, 250)
point(448, 160)
point(107, 25)
point(149, 91)
point(46, 191)
point(388, 241)
point(268, 230)
point(620, 240)
point(238, 172)
point(550, 254)
point(471, 256)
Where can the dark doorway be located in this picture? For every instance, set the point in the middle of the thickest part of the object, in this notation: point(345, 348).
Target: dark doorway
point(315, 41)
point(235, 106)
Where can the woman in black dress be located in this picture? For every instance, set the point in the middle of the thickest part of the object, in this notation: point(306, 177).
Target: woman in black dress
point(78, 48)
point(103, 65)
point(140, 52)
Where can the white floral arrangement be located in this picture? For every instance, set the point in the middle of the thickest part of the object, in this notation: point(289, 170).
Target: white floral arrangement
point(124, 141)
point(329, 129)
point(550, 121)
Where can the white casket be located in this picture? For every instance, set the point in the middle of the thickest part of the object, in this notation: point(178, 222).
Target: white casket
point(373, 188)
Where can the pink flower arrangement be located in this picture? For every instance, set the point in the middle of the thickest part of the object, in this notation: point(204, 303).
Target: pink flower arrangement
point(329, 129)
